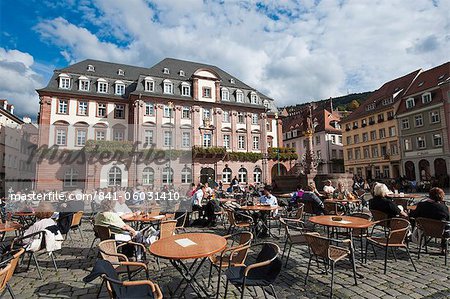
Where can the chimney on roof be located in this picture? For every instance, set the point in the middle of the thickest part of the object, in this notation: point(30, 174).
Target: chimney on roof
point(331, 104)
point(26, 119)
point(11, 109)
point(5, 104)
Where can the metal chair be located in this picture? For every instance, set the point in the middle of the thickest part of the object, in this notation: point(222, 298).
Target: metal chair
point(101, 232)
point(248, 223)
point(395, 237)
point(167, 228)
point(324, 251)
point(235, 254)
point(361, 233)
point(432, 228)
point(262, 273)
point(76, 225)
point(333, 208)
point(291, 238)
point(11, 264)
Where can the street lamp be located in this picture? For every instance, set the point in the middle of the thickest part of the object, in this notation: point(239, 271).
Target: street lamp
point(170, 105)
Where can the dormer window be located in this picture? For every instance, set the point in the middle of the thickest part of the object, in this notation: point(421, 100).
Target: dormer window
point(185, 89)
point(426, 98)
point(166, 71)
point(370, 107)
point(149, 84)
point(239, 96)
point(168, 87)
point(388, 101)
point(120, 88)
point(232, 81)
point(120, 72)
point(225, 94)
point(410, 103)
point(90, 68)
point(254, 98)
point(102, 86)
point(64, 81)
point(83, 83)
point(181, 73)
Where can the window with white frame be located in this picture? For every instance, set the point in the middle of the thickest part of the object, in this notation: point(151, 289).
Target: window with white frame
point(148, 137)
point(254, 98)
point(102, 86)
point(166, 71)
point(226, 175)
point(405, 124)
point(120, 89)
point(70, 178)
point(83, 108)
point(61, 136)
point(255, 118)
point(206, 92)
point(382, 133)
point(435, 117)
point(186, 112)
point(185, 89)
point(167, 111)
point(167, 138)
point(407, 144)
point(226, 116)
point(148, 176)
point(181, 73)
point(90, 68)
point(394, 149)
point(64, 81)
point(365, 137)
point(421, 142)
point(118, 134)
point(373, 135)
point(149, 109)
point(101, 110)
point(81, 137)
point(186, 175)
point(426, 98)
point(226, 141)
point(392, 132)
point(206, 114)
point(115, 176)
point(186, 139)
point(167, 175)
point(241, 118)
point(388, 101)
point(370, 106)
point(149, 85)
point(242, 175)
point(100, 135)
point(63, 106)
point(241, 142)
point(257, 175)
point(168, 87)
point(225, 94)
point(418, 119)
point(119, 111)
point(366, 152)
point(437, 140)
point(375, 151)
point(255, 142)
point(333, 139)
point(207, 139)
point(120, 72)
point(410, 103)
point(349, 154)
point(83, 85)
point(239, 96)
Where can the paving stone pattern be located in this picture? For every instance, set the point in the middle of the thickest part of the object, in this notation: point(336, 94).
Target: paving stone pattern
point(75, 260)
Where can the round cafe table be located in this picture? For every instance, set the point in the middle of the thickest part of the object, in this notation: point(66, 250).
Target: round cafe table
point(140, 220)
point(189, 246)
point(347, 222)
point(8, 227)
point(264, 209)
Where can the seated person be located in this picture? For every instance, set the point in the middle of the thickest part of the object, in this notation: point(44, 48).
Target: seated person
point(266, 199)
point(314, 189)
point(310, 196)
point(380, 202)
point(121, 208)
point(44, 213)
point(328, 189)
point(434, 208)
point(340, 192)
point(197, 199)
point(296, 196)
point(107, 217)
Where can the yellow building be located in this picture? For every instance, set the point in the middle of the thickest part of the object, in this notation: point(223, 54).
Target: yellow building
point(370, 133)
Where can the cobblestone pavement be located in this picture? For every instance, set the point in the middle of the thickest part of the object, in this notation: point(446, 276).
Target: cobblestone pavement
point(75, 260)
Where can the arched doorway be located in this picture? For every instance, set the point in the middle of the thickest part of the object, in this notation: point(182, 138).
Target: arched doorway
point(278, 168)
point(410, 171)
point(207, 175)
point(424, 170)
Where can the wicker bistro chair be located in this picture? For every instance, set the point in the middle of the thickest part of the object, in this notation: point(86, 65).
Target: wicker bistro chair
point(263, 272)
point(297, 238)
point(395, 237)
point(234, 224)
point(76, 225)
point(182, 222)
point(432, 228)
point(324, 250)
point(101, 233)
point(235, 254)
point(361, 233)
point(122, 289)
point(11, 264)
point(308, 209)
point(333, 208)
point(167, 228)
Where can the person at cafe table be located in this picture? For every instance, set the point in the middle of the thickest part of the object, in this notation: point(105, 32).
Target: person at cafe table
point(328, 189)
point(381, 202)
point(121, 207)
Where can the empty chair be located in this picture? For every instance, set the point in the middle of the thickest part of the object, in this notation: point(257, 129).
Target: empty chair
point(324, 251)
point(167, 228)
point(122, 289)
point(76, 225)
point(432, 228)
point(247, 223)
point(333, 208)
point(293, 229)
point(10, 264)
point(395, 237)
point(262, 273)
point(361, 233)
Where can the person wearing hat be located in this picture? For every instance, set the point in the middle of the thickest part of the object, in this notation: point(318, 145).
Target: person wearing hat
point(328, 189)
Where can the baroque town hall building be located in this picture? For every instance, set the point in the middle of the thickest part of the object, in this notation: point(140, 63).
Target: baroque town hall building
point(175, 105)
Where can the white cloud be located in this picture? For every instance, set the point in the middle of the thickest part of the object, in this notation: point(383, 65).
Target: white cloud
point(18, 81)
point(291, 50)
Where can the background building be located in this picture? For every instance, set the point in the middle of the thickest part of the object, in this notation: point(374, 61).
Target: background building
point(423, 128)
point(174, 106)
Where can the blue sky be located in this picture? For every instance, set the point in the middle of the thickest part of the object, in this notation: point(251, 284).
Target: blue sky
point(293, 51)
